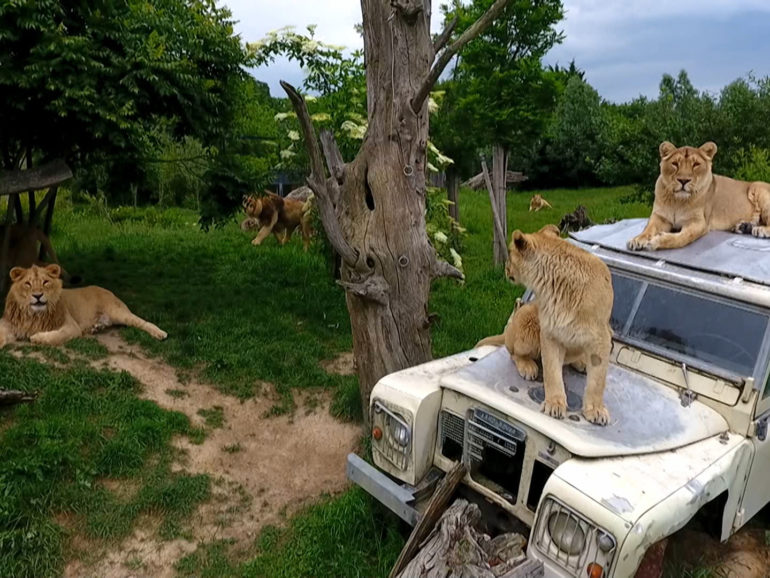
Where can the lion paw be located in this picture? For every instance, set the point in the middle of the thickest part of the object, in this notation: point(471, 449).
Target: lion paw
point(160, 335)
point(761, 232)
point(556, 407)
point(639, 243)
point(598, 415)
point(41, 339)
point(256, 242)
point(744, 228)
point(527, 369)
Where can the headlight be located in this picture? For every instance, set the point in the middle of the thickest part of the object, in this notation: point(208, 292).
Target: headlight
point(399, 432)
point(566, 533)
point(573, 541)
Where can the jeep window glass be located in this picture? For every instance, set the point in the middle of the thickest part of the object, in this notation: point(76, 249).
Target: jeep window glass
point(723, 335)
point(626, 290)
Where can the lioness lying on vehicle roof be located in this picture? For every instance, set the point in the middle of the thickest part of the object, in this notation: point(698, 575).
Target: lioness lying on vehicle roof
point(574, 299)
point(521, 338)
point(38, 309)
point(690, 201)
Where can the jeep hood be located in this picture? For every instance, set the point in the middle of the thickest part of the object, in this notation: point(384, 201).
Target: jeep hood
point(646, 416)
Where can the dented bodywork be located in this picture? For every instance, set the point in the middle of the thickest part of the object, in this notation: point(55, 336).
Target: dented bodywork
point(689, 423)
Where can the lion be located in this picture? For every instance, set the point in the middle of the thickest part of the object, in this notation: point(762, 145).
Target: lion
point(690, 201)
point(279, 216)
point(537, 202)
point(521, 338)
point(38, 309)
point(574, 299)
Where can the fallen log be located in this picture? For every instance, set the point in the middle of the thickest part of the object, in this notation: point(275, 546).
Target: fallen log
point(457, 547)
point(478, 182)
point(13, 396)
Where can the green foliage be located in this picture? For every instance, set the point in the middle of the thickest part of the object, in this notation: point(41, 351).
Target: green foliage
point(752, 164)
point(91, 81)
point(503, 86)
point(444, 232)
point(337, 78)
point(85, 426)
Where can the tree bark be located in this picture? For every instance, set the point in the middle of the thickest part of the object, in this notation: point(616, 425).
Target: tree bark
point(373, 209)
point(499, 190)
point(452, 187)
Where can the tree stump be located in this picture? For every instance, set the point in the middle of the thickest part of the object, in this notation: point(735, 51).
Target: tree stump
point(458, 548)
point(13, 396)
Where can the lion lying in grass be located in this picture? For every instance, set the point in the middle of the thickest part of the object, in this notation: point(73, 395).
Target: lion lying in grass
point(690, 201)
point(521, 338)
point(537, 202)
point(38, 309)
point(574, 300)
point(279, 216)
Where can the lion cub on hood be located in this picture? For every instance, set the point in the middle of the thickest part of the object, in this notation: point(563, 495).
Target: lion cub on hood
point(521, 338)
point(38, 309)
point(574, 299)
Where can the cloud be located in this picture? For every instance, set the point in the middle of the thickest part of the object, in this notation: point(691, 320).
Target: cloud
point(624, 46)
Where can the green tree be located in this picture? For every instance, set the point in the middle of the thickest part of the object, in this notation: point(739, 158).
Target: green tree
point(505, 88)
point(92, 81)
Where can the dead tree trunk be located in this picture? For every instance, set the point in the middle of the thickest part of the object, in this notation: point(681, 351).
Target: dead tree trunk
point(499, 190)
point(452, 188)
point(498, 231)
point(373, 209)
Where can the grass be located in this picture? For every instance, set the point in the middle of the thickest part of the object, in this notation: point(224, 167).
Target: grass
point(86, 428)
point(236, 316)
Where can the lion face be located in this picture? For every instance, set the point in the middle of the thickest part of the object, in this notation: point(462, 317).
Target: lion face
point(38, 288)
point(252, 206)
point(520, 249)
point(535, 202)
point(686, 171)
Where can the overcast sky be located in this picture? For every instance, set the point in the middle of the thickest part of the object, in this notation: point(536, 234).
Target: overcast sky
point(625, 46)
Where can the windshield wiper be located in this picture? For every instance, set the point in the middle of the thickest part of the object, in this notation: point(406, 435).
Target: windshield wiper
point(687, 396)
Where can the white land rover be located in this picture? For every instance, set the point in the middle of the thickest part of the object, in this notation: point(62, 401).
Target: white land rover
point(687, 390)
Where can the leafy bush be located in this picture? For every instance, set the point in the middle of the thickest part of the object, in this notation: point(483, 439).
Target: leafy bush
point(753, 164)
point(444, 232)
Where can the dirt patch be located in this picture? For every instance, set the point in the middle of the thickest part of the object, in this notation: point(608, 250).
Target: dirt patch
point(263, 469)
point(744, 555)
point(343, 364)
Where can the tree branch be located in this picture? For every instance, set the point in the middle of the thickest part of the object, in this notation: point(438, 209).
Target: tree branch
point(317, 180)
point(333, 156)
point(443, 38)
point(444, 269)
point(443, 59)
point(374, 288)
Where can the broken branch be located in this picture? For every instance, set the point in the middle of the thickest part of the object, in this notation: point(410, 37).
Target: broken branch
point(443, 38)
point(317, 180)
point(444, 269)
point(12, 396)
point(443, 59)
point(333, 156)
point(374, 288)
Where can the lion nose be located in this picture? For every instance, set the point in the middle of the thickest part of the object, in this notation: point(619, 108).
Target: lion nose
point(37, 296)
point(684, 181)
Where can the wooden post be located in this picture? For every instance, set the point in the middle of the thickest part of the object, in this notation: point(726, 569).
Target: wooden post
point(498, 234)
point(499, 189)
point(433, 511)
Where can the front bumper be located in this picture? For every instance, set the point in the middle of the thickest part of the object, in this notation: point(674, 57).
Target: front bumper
point(397, 497)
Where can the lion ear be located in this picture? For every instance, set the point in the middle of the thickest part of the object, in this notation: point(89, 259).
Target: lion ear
point(552, 230)
point(665, 149)
point(709, 149)
point(518, 240)
point(53, 270)
point(17, 273)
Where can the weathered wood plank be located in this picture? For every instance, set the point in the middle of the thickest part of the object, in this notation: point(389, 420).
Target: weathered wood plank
point(42, 177)
point(433, 511)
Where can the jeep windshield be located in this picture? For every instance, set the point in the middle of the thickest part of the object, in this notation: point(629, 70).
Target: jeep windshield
point(703, 330)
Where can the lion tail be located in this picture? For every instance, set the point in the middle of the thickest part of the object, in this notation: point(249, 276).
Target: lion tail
point(492, 340)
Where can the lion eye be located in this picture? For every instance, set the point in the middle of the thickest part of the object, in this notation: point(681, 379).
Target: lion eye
point(46, 283)
point(675, 165)
point(695, 165)
point(28, 284)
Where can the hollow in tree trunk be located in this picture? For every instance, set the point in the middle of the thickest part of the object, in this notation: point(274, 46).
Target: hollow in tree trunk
point(373, 208)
